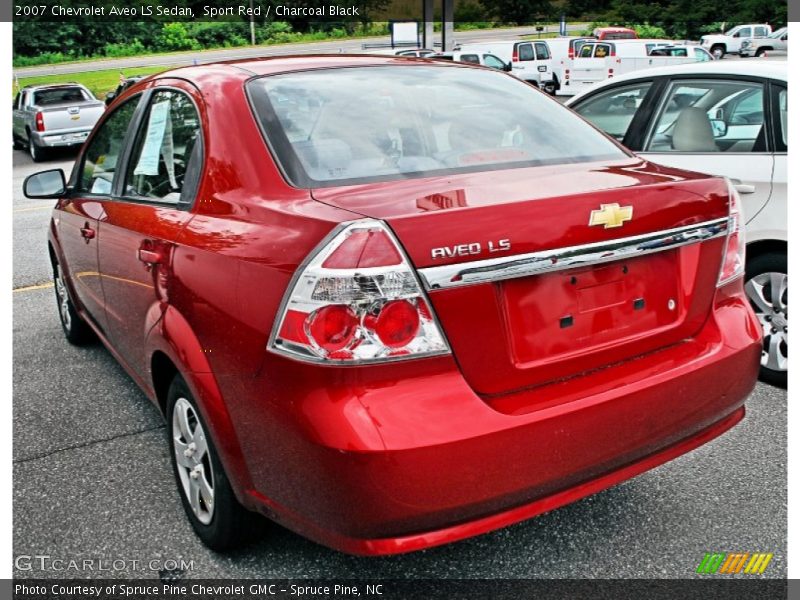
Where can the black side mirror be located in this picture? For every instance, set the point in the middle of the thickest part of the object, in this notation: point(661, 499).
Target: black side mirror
point(45, 184)
point(507, 67)
point(110, 97)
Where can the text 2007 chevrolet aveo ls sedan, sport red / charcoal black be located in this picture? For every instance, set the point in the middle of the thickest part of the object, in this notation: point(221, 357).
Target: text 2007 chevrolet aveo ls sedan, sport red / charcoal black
point(392, 303)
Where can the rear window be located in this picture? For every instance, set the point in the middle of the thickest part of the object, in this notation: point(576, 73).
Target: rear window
point(366, 124)
point(59, 95)
point(620, 35)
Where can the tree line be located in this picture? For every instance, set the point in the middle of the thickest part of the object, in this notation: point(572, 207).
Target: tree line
point(37, 41)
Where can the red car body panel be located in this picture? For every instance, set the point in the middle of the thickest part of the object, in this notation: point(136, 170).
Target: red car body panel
point(388, 458)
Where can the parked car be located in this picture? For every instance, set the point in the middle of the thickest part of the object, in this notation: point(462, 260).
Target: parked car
point(725, 119)
point(614, 33)
point(474, 58)
point(683, 51)
point(730, 42)
point(531, 61)
point(124, 84)
point(775, 44)
point(390, 322)
point(50, 116)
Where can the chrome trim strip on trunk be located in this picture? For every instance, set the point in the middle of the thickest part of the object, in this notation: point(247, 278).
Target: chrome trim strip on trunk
point(559, 259)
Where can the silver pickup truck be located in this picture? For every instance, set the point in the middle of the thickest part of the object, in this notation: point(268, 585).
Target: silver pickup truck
point(48, 116)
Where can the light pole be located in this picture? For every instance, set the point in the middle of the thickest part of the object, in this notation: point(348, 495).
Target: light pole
point(252, 25)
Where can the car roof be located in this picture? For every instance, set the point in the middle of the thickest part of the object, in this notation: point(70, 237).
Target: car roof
point(772, 69)
point(247, 68)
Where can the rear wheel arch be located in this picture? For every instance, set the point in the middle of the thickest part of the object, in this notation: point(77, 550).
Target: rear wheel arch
point(761, 247)
point(162, 372)
point(174, 349)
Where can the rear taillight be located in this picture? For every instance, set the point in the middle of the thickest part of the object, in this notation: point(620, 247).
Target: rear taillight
point(39, 121)
point(733, 259)
point(357, 300)
point(515, 56)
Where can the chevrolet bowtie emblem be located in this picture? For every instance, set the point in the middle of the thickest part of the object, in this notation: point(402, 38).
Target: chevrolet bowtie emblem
point(611, 215)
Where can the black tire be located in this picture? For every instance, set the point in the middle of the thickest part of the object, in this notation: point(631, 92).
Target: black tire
point(230, 524)
point(772, 312)
point(76, 330)
point(37, 153)
point(18, 145)
point(718, 51)
point(761, 52)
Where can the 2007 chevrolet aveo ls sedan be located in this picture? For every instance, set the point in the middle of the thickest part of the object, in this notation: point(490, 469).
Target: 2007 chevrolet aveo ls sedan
point(391, 303)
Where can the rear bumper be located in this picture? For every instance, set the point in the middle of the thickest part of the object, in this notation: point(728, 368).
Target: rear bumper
point(54, 140)
point(412, 464)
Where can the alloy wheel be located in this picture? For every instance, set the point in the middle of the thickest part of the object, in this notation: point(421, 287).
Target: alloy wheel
point(193, 460)
point(768, 294)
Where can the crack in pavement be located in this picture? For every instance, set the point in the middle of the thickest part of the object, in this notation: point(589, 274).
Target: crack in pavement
point(87, 444)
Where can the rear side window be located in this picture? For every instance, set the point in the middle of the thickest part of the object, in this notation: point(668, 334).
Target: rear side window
point(586, 51)
point(471, 58)
point(353, 125)
point(166, 151)
point(614, 110)
point(103, 153)
point(59, 96)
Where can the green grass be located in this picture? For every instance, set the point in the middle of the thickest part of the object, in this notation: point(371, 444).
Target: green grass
point(99, 82)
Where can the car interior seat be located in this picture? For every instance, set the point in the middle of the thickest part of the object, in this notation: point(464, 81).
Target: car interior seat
point(693, 132)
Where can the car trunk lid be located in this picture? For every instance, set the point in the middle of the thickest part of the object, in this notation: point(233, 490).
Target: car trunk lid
point(518, 327)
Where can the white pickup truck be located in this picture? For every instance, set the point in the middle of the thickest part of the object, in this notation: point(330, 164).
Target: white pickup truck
point(49, 116)
point(775, 44)
point(730, 42)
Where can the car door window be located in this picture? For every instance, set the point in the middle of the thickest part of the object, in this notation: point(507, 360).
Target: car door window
point(471, 58)
point(490, 60)
point(710, 116)
point(104, 151)
point(586, 51)
point(744, 33)
point(542, 51)
point(760, 31)
point(701, 55)
point(614, 110)
point(525, 51)
point(168, 149)
point(16, 101)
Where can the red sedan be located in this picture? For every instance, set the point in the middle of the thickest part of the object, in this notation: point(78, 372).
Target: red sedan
point(392, 303)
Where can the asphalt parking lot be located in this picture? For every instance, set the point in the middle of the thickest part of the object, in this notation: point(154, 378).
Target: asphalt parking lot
point(92, 478)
